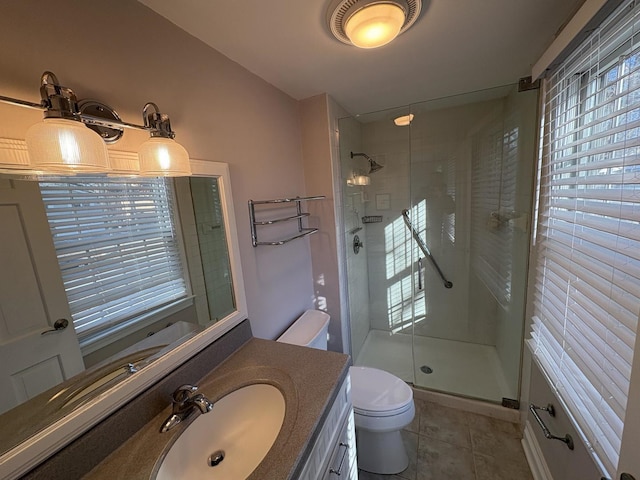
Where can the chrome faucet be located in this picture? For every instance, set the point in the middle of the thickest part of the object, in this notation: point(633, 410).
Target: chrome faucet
point(184, 402)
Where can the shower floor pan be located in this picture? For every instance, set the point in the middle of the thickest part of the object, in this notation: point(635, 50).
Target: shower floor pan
point(459, 368)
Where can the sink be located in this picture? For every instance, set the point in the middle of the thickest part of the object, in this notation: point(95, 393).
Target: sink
point(235, 436)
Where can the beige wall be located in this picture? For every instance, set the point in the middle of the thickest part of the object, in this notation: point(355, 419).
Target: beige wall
point(123, 54)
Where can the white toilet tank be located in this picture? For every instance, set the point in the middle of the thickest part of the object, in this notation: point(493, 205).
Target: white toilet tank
point(309, 330)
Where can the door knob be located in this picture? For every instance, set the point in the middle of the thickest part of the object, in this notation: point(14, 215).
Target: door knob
point(357, 244)
point(59, 324)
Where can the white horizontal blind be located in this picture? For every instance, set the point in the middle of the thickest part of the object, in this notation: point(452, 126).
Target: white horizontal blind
point(587, 288)
point(493, 189)
point(117, 247)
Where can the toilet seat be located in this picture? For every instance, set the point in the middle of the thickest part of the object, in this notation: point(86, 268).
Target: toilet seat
point(376, 393)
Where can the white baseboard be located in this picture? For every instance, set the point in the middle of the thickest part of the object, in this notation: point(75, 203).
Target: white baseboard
point(469, 405)
point(537, 463)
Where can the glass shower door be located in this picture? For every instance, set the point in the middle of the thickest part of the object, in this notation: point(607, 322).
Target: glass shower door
point(463, 169)
point(472, 161)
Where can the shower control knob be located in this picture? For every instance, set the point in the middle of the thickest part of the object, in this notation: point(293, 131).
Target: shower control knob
point(357, 244)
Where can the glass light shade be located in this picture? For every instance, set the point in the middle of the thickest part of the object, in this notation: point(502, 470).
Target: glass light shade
point(361, 180)
point(64, 146)
point(403, 121)
point(375, 25)
point(163, 157)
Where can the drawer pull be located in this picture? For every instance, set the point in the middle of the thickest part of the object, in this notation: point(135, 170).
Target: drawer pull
point(338, 472)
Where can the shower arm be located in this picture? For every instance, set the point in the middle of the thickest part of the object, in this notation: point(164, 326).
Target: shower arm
point(424, 248)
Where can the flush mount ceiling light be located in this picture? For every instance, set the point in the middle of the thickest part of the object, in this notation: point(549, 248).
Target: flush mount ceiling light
point(62, 144)
point(404, 120)
point(371, 23)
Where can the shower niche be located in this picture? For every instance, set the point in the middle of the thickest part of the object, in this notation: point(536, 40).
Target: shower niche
point(462, 170)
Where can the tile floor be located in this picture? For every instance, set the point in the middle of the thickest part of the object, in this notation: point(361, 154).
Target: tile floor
point(449, 444)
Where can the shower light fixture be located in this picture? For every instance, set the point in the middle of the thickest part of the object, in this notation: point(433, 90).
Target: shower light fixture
point(371, 23)
point(404, 120)
point(62, 143)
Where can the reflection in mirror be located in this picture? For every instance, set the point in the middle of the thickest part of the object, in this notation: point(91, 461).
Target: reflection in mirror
point(137, 265)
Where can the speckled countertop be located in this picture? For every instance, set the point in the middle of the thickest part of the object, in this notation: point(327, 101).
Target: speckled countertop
point(308, 379)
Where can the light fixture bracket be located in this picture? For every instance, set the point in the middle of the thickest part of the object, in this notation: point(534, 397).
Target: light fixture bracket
point(58, 101)
point(340, 11)
point(158, 123)
point(94, 109)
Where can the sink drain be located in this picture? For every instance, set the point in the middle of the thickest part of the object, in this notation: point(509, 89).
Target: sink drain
point(426, 369)
point(216, 458)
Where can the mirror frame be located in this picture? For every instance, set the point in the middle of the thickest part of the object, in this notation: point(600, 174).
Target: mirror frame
point(28, 454)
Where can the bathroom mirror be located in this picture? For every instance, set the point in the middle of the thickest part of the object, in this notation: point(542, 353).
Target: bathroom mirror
point(95, 377)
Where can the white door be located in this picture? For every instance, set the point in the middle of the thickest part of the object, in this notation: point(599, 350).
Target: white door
point(32, 298)
point(629, 462)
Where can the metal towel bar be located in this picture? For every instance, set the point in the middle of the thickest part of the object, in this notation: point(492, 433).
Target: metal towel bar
point(302, 231)
point(547, 434)
point(423, 247)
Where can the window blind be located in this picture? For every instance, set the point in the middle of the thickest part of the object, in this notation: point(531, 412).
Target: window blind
point(586, 294)
point(117, 248)
point(493, 195)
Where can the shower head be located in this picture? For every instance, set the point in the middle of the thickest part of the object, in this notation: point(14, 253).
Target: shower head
point(373, 165)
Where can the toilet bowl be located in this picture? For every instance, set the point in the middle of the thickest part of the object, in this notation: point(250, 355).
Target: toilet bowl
point(382, 403)
point(382, 406)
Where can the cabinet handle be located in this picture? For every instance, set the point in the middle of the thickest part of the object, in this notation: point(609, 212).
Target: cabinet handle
point(344, 454)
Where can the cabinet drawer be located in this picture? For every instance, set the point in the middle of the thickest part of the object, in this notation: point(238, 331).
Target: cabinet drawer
point(325, 446)
point(342, 464)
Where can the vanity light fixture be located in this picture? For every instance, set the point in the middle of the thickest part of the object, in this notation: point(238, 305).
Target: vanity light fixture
point(62, 144)
point(371, 23)
point(161, 155)
point(404, 120)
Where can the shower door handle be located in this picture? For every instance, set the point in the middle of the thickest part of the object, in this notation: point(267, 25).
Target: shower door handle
point(419, 273)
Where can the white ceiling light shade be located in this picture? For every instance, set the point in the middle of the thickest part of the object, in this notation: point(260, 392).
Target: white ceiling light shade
point(375, 25)
point(161, 155)
point(371, 23)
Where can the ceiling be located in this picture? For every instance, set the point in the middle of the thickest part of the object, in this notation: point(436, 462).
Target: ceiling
point(456, 46)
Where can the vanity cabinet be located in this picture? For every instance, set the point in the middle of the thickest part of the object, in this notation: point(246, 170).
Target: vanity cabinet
point(333, 455)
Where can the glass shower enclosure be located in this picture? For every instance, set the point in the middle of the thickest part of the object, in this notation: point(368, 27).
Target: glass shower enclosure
point(462, 171)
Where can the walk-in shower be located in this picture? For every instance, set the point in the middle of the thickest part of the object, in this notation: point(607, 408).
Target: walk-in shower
point(436, 293)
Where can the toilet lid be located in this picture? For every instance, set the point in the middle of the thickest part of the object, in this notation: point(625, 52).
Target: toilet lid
point(378, 392)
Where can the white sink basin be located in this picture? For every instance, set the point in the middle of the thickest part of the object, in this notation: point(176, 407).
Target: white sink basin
point(243, 425)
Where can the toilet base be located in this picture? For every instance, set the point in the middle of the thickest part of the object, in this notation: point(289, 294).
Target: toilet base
point(381, 453)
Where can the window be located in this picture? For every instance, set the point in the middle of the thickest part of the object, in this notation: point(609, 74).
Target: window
point(586, 294)
point(117, 247)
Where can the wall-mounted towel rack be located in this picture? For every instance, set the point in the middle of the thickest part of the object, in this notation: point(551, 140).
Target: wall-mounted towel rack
point(303, 232)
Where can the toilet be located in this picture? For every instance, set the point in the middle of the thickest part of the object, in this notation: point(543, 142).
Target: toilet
point(382, 403)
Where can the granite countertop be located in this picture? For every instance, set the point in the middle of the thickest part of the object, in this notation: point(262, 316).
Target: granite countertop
point(308, 379)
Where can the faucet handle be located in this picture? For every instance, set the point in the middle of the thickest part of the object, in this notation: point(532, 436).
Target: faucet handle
point(183, 393)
